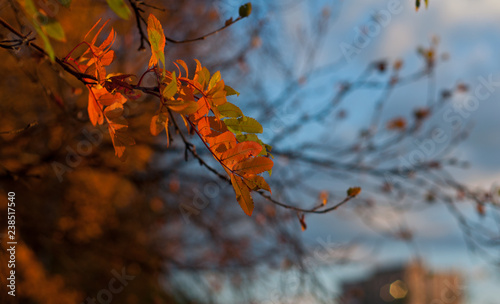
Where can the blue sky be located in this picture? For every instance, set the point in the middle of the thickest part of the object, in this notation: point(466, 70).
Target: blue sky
point(470, 32)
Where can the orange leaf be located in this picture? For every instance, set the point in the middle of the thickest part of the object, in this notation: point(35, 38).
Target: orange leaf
point(184, 65)
point(239, 152)
point(254, 165)
point(156, 125)
point(217, 95)
point(242, 194)
point(397, 124)
point(256, 182)
point(108, 99)
point(222, 142)
point(94, 109)
point(302, 222)
point(120, 142)
point(114, 111)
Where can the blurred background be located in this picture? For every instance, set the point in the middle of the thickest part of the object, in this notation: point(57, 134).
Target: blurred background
point(401, 103)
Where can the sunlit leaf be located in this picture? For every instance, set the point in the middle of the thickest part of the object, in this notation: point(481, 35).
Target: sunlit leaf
point(244, 124)
point(256, 182)
point(229, 110)
point(157, 40)
point(254, 165)
point(241, 151)
point(170, 90)
point(157, 124)
point(230, 91)
point(242, 194)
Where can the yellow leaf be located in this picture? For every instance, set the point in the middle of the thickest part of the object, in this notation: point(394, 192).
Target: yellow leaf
point(157, 41)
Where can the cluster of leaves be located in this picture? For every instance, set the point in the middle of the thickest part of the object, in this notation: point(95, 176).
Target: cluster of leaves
point(107, 92)
point(201, 101)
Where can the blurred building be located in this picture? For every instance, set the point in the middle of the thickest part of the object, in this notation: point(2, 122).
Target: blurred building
point(409, 284)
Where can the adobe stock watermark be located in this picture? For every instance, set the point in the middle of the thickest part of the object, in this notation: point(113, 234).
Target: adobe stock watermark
point(74, 156)
point(278, 123)
point(327, 251)
point(115, 286)
point(92, 138)
point(455, 116)
point(365, 35)
point(201, 199)
point(451, 293)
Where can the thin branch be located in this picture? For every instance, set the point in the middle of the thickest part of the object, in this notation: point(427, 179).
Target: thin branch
point(138, 17)
point(30, 125)
point(228, 24)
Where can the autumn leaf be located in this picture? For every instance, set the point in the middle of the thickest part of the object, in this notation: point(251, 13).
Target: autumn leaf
point(323, 197)
point(158, 123)
point(230, 91)
point(184, 66)
point(256, 182)
point(243, 124)
point(302, 221)
point(120, 141)
point(245, 10)
point(114, 111)
point(354, 191)
point(222, 142)
point(229, 110)
point(254, 165)
point(398, 123)
point(239, 152)
point(94, 108)
point(242, 194)
point(157, 41)
point(171, 89)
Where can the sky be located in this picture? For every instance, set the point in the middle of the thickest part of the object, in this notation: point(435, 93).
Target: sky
point(469, 31)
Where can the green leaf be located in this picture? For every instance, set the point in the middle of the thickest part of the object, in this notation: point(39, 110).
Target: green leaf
point(120, 8)
point(229, 110)
point(243, 125)
point(170, 90)
point(32, 11)
point(353, 191)
point(245, 10)
point(46, 44)
point(230, 91)
point(214, 80)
